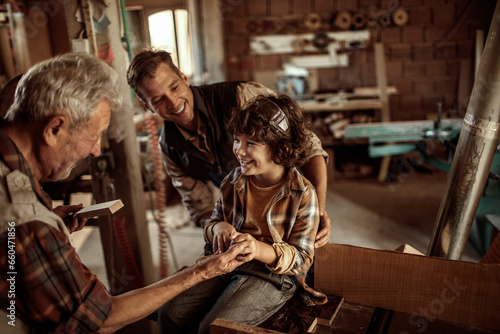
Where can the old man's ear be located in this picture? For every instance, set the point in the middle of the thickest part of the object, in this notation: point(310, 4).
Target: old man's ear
point(53, 128)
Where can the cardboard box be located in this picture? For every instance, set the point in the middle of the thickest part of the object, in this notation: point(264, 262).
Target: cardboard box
point(427, 289)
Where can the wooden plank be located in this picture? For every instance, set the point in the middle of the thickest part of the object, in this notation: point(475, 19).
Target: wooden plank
point(352, 318)
point(101, 209)
point(373, 91)
point(357, 92)
point(382, 81)
point(385, 115)
point(328, 312)
point(222, 326)
point(363, 104)
point(384, 168)
point(456, 291)
point(405, 248)
point(320, 330)
point(282, 44)
point(297, 318)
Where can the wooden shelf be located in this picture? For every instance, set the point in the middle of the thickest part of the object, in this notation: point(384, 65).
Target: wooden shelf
point(340, 106)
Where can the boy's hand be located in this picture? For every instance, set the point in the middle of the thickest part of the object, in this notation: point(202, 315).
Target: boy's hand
point(221, 239)
point(250, 246)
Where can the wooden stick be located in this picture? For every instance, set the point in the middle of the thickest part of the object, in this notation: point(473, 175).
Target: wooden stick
point(101, 209)
point(222, 326)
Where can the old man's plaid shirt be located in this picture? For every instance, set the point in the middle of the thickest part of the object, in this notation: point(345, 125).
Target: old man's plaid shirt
point(54, 291)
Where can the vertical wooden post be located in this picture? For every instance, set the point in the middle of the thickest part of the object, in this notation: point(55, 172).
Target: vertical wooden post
point(126, 173)
point(383, 96)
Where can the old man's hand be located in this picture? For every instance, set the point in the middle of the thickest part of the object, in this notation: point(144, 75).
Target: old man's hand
point(219, 263)
point(73, 222)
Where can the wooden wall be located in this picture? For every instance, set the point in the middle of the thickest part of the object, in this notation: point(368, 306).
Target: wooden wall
point(424, 56)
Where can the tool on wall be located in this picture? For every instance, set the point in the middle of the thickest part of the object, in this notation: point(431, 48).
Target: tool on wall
point(358, 21)
point(312, 22)
point(341, 20)
point(332, 43)
point(89, 27)
point(321, 40)
point(400, 17)
point(384, 18)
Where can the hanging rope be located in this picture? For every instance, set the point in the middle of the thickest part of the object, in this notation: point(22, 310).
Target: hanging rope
point(160, 177)
point(126, 249)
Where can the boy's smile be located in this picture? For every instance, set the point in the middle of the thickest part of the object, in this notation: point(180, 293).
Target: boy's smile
point(254, 158)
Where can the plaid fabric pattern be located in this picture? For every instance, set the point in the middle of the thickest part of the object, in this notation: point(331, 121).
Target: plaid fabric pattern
point(54, 291)
point(292, 219)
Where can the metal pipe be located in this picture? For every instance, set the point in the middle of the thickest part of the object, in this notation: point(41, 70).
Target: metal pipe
point(474, 154)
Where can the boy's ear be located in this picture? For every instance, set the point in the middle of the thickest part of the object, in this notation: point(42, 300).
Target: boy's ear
point(53, 128)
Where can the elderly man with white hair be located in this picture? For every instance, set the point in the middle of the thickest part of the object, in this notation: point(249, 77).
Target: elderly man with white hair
point(62, 107)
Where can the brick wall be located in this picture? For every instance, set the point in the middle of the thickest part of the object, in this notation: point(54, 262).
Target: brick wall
point(423, 57)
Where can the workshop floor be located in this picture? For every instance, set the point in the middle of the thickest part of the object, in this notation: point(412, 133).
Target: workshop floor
point(363, 211)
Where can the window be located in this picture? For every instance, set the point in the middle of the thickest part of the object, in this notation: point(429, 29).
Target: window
point(169, 31)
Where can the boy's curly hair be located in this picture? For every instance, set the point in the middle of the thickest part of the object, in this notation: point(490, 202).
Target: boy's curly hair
point(289, 139)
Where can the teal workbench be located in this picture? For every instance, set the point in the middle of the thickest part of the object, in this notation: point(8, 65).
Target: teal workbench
point(396, 138)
